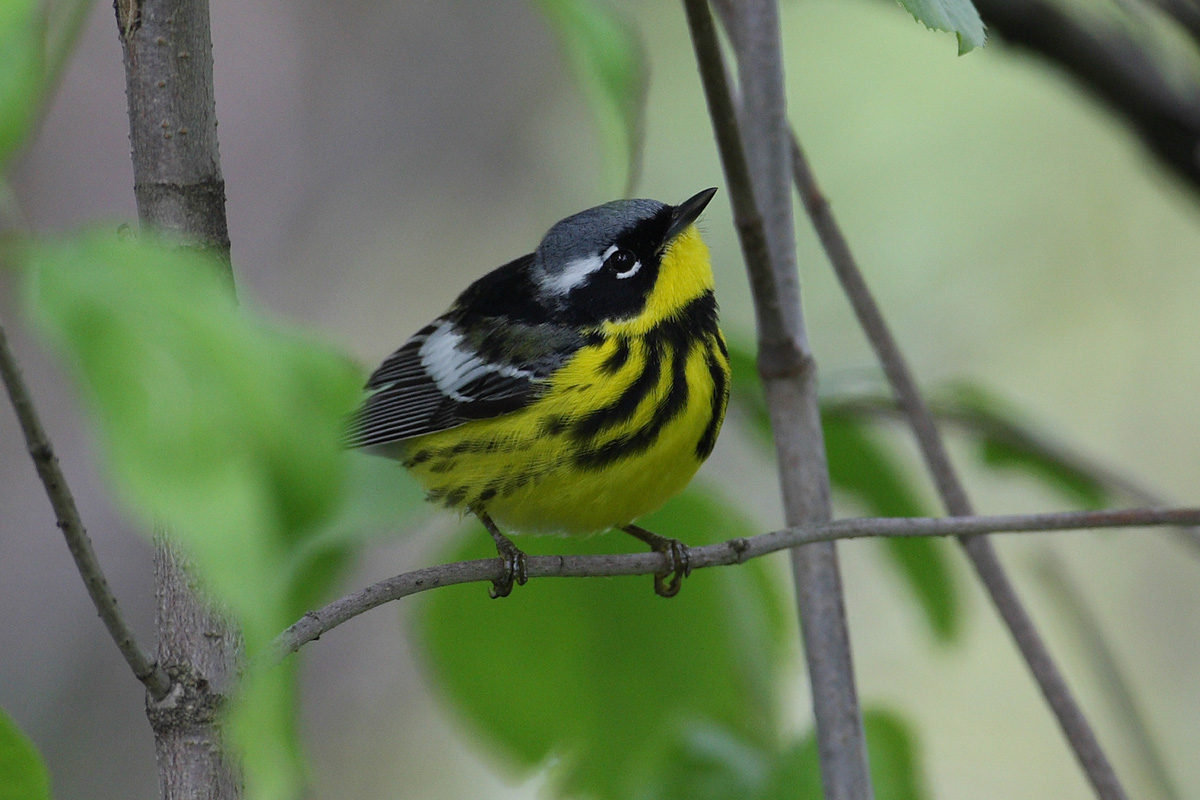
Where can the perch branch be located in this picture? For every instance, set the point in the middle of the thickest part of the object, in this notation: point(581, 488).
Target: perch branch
point(314, 624)
point(979, 549)
point(1000, 429)
point(145, 669)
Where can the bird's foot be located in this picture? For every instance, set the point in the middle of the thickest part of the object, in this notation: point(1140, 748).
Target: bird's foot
point(512, 557)
point(678, 560)
point(514, 568)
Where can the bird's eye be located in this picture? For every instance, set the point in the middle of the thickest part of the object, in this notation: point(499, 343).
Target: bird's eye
point(622, 263)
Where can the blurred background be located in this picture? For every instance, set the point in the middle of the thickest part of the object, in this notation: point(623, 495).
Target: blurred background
point(379, 156)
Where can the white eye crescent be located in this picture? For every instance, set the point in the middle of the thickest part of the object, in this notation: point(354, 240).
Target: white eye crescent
point(624, 262)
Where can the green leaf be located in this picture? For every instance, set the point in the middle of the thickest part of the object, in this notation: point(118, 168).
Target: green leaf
point(227, 429)
point(895, 759)
point(925, 568)
point(23, 776)
point(1081, 488)
point(606, 57)
point(262, 723)
point(592, 676)
point(708, 762)
point(221, 425)
point(1006, 442)
point(955, 16)
point(798, 773)
point(864, 469)
point(22, 64)
point(860, 466)
point(895, 763)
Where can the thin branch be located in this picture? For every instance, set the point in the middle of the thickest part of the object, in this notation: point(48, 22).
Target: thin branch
point(755, 156)
point(1070, 600)
point(721, 110)
point(145, 669)
point(314, 624)
point(1021, 436)
point(929, 440)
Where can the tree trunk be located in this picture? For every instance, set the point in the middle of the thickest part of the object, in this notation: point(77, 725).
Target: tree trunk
point(167, 46)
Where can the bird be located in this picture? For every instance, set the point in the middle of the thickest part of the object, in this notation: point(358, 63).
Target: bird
point(570, 391)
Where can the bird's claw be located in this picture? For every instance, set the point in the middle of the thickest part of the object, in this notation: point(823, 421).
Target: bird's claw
point(515, 569)
point(678, 560)
point(678, 567)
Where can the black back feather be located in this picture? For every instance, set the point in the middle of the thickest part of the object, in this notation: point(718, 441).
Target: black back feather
point(491, 354)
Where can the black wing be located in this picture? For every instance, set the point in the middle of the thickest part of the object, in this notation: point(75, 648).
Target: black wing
point(480, 360)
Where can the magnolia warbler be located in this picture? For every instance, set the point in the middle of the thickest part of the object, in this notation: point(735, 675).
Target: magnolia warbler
point(569, 391)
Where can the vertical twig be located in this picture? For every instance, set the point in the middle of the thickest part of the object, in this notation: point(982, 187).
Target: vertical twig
point(37, 443)
point(177, 183)
point(759, 183)
point(979, 548)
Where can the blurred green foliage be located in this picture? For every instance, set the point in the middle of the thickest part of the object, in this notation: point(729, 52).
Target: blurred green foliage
point(592, 677)
point(22, 57)
point(864, 468)
point(226, 429)
point(711, 763)
point(1004, 443)
point(605, 55)
point(23, 776)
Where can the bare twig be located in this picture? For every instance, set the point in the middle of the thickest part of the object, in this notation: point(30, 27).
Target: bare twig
point(1070, 600)
point(759, 182)
point(979, 550)
point(735, 551)
point(998, 428)
point(145, 669)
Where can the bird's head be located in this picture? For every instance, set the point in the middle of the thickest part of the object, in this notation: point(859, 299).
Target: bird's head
point(626, 262)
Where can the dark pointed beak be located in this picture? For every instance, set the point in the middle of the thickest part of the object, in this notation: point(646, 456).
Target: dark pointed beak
point(686, 213)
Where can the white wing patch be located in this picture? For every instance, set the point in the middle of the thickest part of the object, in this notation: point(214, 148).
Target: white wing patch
point(453, 364)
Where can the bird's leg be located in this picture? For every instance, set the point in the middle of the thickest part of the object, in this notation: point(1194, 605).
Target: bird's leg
point(510, 554)
point(677, 560)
